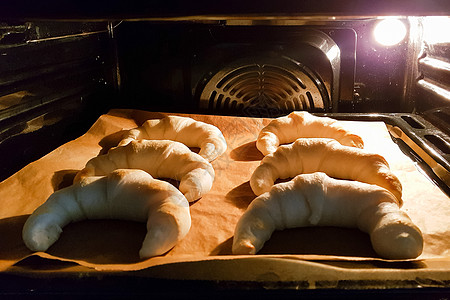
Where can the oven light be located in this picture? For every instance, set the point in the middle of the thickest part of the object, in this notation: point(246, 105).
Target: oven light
point(389, 31)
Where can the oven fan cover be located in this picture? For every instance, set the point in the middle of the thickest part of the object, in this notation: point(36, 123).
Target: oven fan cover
point(264, 87)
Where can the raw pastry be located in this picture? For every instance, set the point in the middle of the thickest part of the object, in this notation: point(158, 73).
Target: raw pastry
point(188, 131)
point(161, 159)
point(124, 194)
point(318, 200)
point(309, 155)
point(301, 124)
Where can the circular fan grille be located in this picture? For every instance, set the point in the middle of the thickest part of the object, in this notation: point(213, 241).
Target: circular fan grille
point(264, 88)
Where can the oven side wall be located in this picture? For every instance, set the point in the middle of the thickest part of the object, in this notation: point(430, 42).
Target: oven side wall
point(55, 79)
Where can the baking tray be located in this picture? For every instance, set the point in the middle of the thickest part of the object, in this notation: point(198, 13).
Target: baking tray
point(100, 254)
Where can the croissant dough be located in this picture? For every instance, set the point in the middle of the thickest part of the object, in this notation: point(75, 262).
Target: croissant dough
point(161, 159)
point(319, 200)
point(123, 194)
point(186, 130)
point(309, 155)
point(302, 124)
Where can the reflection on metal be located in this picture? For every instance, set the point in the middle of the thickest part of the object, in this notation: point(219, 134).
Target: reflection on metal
point(438, 169)
point(71, 36)
point(333, 53)
point(434, 88)
point(10, 100)
point(40, 122)
point(436, 63)
point(8, 30)
point(117, 81)
point(259, 19)
point(436, 29)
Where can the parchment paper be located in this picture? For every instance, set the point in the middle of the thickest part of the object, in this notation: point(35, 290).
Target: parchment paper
point(114, 244)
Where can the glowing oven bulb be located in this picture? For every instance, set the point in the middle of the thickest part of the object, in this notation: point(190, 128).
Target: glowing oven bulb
point(389, 32)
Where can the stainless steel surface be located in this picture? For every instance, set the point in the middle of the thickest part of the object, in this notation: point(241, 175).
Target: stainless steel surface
point(281, 85)
point(277, 82)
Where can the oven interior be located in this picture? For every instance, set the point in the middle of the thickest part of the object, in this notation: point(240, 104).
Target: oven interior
point(58, 76)
point(60, 71)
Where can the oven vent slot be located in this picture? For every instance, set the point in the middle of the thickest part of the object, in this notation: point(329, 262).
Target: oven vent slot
point(438, 143)
point(264, 87)
point(412, 122)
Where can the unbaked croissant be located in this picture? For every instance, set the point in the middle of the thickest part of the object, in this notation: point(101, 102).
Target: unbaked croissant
point(161, 159)
point(309, 155)
point(318, 200)
point(301, 124)
point(186, 130)
point(123, 194)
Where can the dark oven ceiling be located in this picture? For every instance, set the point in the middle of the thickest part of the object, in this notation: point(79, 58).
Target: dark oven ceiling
point(123, 9)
